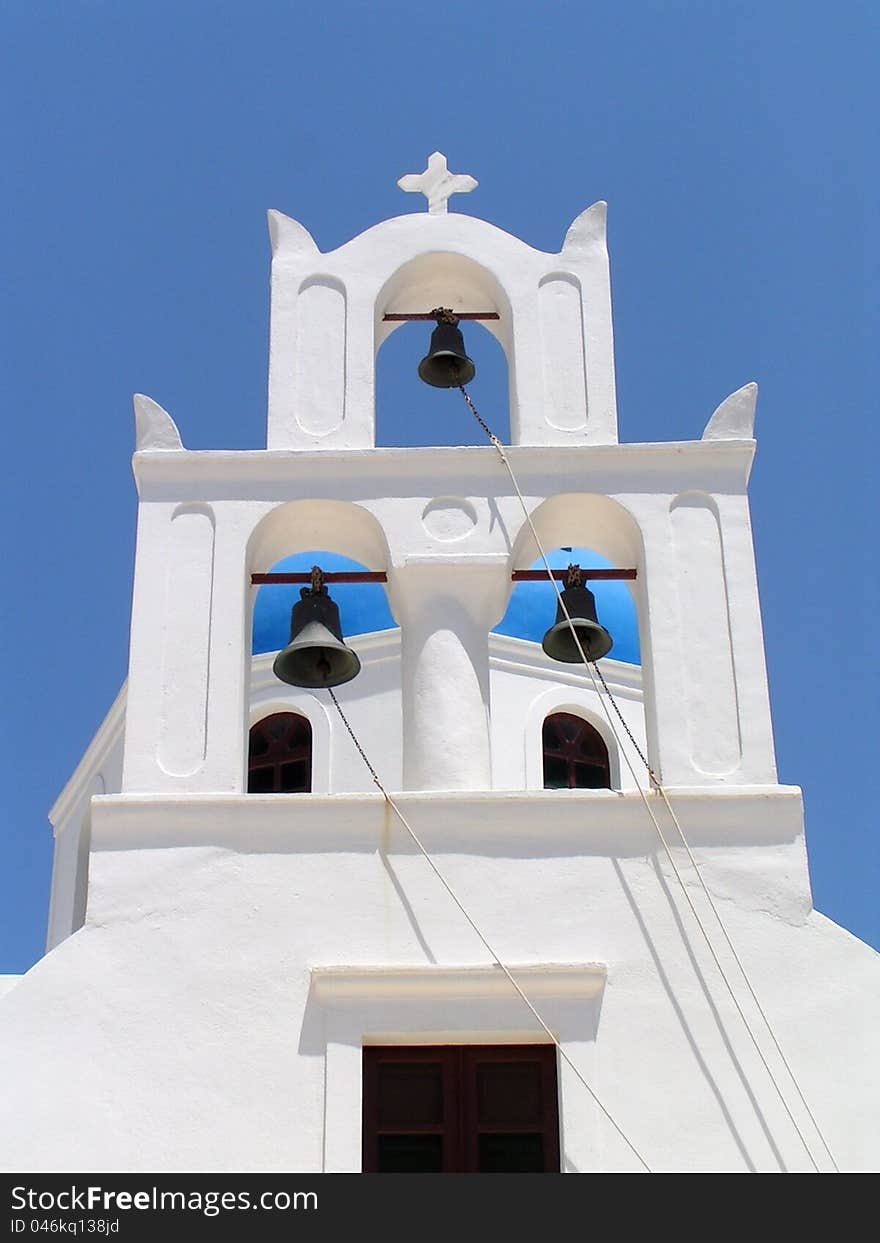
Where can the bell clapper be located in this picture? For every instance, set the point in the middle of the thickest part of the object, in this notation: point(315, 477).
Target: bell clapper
point(317, 655)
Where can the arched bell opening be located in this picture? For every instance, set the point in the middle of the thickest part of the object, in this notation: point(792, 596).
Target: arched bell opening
point(337, 536)
point(601, 533)
point(411, 413)
point(291, 538)
point(285, 657)
point(592, 526)
point(363, 607)
point(532, 607)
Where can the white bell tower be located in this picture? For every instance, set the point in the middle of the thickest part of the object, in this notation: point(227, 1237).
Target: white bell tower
point(286, 937)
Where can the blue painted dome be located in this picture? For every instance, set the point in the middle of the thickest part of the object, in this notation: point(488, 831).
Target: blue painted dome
point(532, 607)
point(363, 607)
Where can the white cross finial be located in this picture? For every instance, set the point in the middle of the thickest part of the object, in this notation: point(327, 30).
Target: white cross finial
point(437, 183)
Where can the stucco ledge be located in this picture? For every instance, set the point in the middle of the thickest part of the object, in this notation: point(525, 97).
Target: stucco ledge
point(340, 985)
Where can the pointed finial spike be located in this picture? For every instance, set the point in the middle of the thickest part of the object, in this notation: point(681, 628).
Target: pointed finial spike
point(288, 234)
point(588, 228)
point(734, 419)
point(154, 427)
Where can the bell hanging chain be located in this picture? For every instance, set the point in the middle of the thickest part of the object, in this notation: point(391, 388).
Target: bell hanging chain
point(361, 752)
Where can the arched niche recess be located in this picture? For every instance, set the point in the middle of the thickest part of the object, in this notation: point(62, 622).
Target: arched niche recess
point(297, 526)
point(531, 607)
point(593, 521)
point(590, 521)
point(338, 527)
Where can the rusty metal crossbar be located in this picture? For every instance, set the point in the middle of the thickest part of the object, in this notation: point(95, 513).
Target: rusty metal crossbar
point(380, 576)
point(397, 319)
point(333, 576)
point(537, 576)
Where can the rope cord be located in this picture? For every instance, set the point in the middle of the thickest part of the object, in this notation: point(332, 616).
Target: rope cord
point(748, 984)
point(495, 958)
point(592, 670)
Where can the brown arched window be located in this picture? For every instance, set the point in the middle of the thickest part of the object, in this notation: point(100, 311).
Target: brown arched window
point(280, 755)
point(575, 755)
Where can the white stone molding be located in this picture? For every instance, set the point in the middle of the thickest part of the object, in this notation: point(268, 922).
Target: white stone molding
point(450, 1005)
point(345, 985)
point(529, 659)
point(513, 821)
point(254, 474)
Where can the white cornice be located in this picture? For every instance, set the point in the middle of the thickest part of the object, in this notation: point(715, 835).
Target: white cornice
point(353, 985)
point(514, 821)
point(526, 657)
point(713, 465)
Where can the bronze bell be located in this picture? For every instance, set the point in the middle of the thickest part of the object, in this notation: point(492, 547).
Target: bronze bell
point(446, 365)
point(316, 654)
point(559, 643)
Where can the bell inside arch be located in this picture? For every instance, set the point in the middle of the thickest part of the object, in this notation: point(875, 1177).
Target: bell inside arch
point(559, 643)
point(446, 364)
point(316, 655)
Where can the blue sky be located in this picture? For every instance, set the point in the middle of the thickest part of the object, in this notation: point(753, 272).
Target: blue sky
point(143, 143)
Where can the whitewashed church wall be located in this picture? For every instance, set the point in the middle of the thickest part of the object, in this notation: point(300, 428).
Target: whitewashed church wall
point(208, 917)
